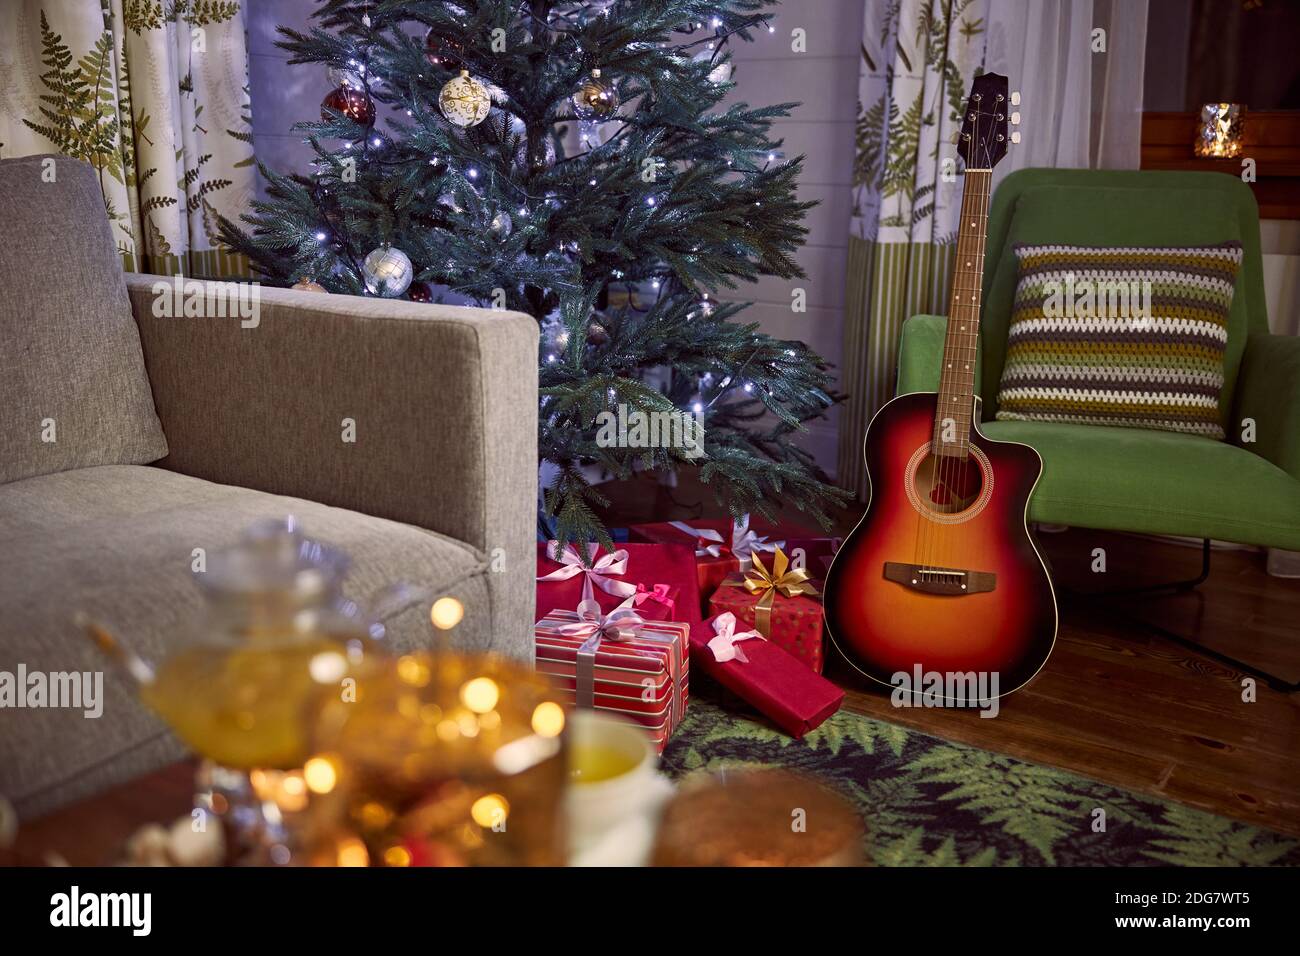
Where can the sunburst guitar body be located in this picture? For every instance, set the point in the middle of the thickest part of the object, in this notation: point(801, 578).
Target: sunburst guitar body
point(941, 574)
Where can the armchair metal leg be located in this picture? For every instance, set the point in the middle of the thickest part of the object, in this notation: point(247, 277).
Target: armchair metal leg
point(1182, 587)
point(1175, 586)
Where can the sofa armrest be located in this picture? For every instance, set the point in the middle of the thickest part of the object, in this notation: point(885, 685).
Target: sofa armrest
point(920, 353)
point(442, 401)
point(1268, 391)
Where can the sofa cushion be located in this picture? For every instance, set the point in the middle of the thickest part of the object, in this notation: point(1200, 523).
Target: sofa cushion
point(1154, 212)
point(1131, 337)
point(73, 389)
point(1129, 479)
point(116, 542)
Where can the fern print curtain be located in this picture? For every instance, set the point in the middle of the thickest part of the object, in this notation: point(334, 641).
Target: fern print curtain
point(918, 59)
point(154, 95)
point(1082, 107)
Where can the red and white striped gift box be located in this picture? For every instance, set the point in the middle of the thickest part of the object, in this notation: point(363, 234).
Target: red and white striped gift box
point(643, 677)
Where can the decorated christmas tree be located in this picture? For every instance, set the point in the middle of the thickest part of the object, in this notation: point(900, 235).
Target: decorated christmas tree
point(577, 162)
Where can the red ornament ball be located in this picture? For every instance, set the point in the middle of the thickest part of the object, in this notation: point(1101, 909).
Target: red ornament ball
point(354, 104)
point(420, 292)
point(444, 52)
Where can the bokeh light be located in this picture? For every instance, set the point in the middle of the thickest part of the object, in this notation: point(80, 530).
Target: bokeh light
point(446, 613)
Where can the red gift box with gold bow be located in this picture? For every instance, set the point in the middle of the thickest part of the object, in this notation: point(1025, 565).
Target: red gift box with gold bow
point(721, 548)
point(780, 603)
point(725, 547)
point(620, 663)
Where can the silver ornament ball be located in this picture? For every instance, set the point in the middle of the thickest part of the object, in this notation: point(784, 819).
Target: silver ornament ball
point(387, 271)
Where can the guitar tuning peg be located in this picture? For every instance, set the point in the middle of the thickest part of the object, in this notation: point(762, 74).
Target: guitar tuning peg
point(1015, 97)
point(1015, 118)
point(955, 137)
point(1015, 137)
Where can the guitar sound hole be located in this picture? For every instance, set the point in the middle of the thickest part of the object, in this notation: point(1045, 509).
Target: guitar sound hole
point(947, 486)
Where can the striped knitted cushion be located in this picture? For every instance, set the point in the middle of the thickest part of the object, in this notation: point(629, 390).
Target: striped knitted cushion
point(1126, 336)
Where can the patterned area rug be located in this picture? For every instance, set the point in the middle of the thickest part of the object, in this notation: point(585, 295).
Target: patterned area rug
point(928, 802)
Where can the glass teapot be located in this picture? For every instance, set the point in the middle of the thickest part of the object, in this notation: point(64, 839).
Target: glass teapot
point(278, 634)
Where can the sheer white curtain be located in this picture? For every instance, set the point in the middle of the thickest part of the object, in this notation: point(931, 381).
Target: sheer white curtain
point(1079, 66)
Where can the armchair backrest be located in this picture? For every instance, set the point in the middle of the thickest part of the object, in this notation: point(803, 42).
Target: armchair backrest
point(1113, 208)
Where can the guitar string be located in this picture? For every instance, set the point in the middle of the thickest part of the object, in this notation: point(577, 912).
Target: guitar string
point(953, 469)
point(940, 494)
point(930, 538)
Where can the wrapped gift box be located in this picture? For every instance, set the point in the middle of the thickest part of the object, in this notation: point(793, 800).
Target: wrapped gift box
point(780, 602)
point(722, 547)
point(775, 683)
point(645, 677)
point(659, 578)
point(796, 622)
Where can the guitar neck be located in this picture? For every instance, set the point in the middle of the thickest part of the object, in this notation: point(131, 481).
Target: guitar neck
point(952, 419)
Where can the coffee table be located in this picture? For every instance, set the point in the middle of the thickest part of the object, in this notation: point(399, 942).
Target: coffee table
point(94, 831)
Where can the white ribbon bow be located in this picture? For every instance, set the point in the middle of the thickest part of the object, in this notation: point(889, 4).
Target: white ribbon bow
point(744, 542)
point(701, 535)
point(601, 573)
point(724, 645)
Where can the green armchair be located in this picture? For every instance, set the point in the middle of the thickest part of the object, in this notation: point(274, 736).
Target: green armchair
point(1245, 489)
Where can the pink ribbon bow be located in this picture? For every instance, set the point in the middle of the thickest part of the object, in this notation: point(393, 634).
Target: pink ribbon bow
point(601, 573)
point(724, 644)
point(660, 592)
point(620, 624)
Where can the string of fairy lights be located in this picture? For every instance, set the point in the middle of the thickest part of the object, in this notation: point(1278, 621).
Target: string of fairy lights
point(467, 99)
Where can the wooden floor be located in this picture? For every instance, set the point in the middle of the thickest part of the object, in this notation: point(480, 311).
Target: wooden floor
point(1116, 702)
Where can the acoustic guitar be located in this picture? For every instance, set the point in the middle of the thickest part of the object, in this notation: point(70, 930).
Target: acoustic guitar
point(941, 573)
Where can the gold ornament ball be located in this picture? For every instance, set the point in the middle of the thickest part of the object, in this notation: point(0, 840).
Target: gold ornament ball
point(464, 101)
point(308, 284)
point(597, 334)
point(595, 99)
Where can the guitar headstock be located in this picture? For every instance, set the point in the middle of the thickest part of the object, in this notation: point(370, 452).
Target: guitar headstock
point(984, 138)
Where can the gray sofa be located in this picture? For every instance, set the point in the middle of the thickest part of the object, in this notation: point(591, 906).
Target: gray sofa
point(128, 439)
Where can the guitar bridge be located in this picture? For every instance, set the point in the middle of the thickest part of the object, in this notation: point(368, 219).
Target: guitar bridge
point(946, 581)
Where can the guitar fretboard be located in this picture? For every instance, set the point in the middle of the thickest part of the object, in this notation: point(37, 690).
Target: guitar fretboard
point(952, 418)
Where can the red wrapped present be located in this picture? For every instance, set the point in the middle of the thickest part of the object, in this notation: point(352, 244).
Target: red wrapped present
point(722, 548)
point(781, 604)
point(775, 683)
point(619, 662)
point(808, 551)
point(660, 580)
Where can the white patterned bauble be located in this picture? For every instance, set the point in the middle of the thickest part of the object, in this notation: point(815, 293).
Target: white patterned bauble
point(464, 101)
point(388, 272)
point(721, 73)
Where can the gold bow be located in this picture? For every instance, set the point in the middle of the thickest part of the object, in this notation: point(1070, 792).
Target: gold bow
point(767, 584)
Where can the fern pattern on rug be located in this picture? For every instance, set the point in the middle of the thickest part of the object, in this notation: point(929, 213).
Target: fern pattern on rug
point(928, 802)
